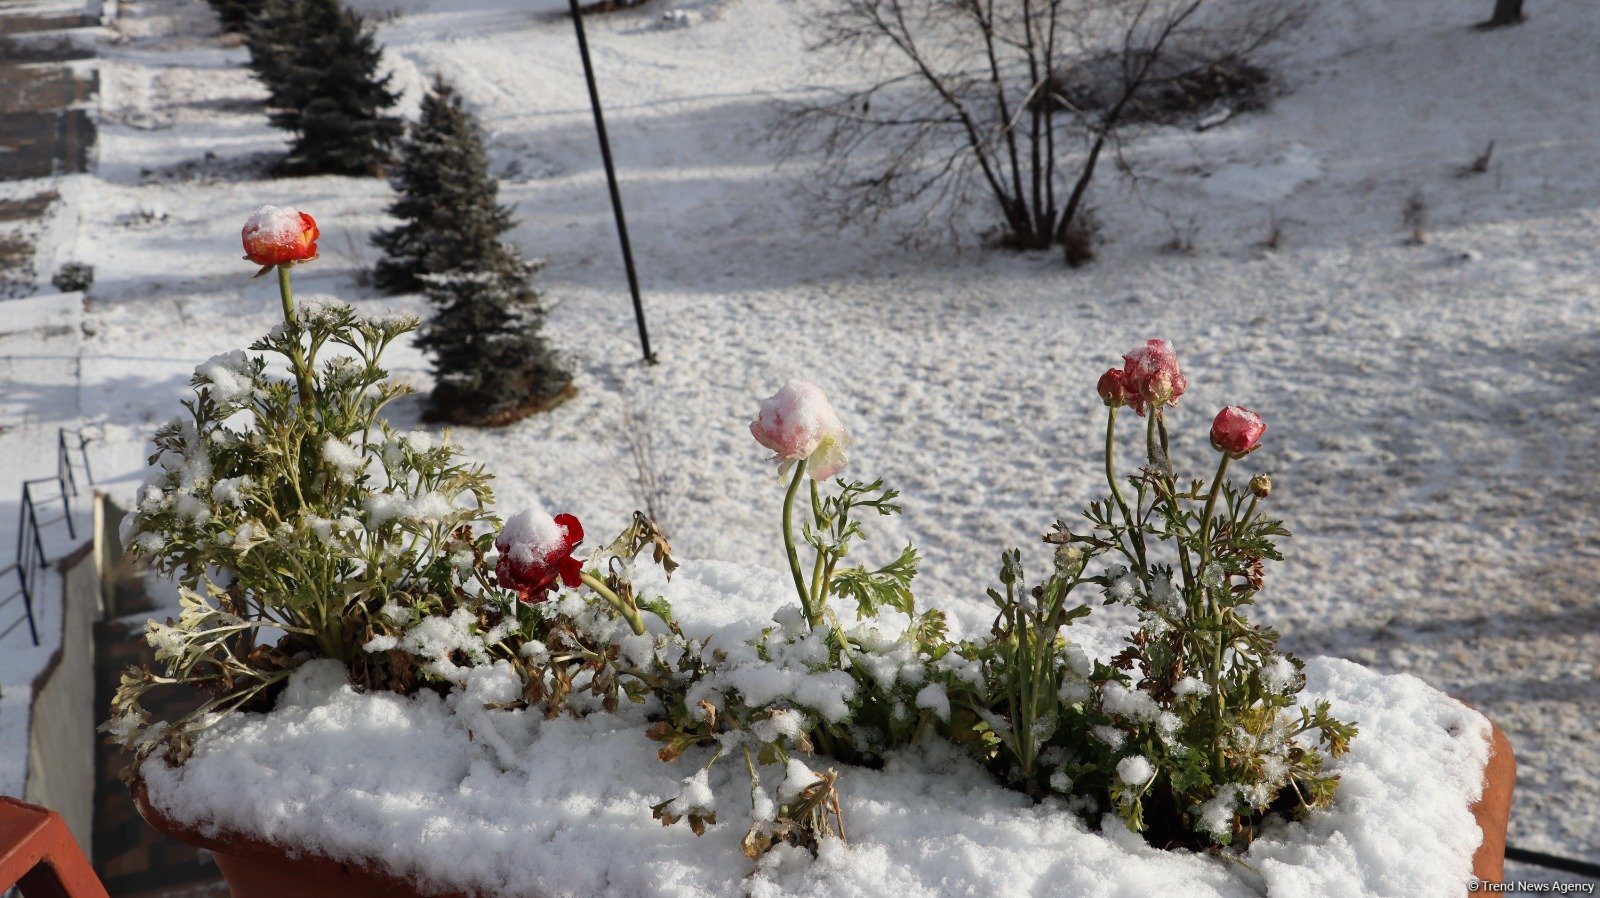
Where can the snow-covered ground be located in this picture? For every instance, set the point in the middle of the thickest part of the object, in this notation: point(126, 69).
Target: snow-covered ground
point(1434, 426)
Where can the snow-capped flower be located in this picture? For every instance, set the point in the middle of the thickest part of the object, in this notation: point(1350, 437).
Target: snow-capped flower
point(536, 551)
point(797, 422)
point(1151, 377)
point(1237, 431)
point(1136, 770)
point(278, 235)
point(1113, 388)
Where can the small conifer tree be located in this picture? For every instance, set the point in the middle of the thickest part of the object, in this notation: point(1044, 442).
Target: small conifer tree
point(448, 204)
point(320, 64)
point(235, 14)
point(272, 36)
point(492, 363)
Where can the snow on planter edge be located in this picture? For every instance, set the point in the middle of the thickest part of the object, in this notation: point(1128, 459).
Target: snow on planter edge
point(506, 803)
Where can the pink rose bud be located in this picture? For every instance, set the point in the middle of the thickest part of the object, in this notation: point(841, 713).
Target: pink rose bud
point(1237, 430)
point(1113, 388)
point(797, 422)
point(1151, 376)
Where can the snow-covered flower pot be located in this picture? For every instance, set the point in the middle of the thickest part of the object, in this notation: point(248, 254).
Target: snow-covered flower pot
point(359, 793)
point(398, 696)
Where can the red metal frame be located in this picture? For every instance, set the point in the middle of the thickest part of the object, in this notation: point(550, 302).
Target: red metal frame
point(39, 855)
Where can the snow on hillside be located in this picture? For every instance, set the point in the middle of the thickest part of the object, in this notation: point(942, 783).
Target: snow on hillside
point(1433, 424)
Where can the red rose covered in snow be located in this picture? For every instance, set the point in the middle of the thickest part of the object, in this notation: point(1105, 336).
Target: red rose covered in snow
point(1150, 375)
point(1113, 388)
point(1237, 430)
point(536, 551)
point(278, 235)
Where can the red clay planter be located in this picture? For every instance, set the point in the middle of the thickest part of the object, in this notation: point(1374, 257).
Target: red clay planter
point(1493, 810)
point(259, 869)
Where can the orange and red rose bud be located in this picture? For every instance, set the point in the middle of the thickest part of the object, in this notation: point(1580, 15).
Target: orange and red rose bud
point(1113, 388)
point(536, 552)
point(1237, 430)
point(1261, 486)
point(278, 235)
point(1151, 376)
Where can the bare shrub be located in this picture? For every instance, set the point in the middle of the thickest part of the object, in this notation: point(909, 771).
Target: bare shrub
point(1274, 238)
point(1479, 164)
point(1415, 217)
point(1081, 236)
point(1183, 235)
point(1016, 102)
point(651, 483)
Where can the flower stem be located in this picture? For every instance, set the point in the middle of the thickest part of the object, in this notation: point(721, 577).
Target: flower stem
point(628, 612)
point(1135, 533)
point(1213, 610)
point(1111, 468)
point(813, 616)
point(302, 373)
point(1211, 506)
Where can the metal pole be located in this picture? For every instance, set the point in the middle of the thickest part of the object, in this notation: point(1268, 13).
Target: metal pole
point(611, 181)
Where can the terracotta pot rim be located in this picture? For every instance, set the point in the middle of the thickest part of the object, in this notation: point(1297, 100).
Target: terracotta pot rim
point(357, 878)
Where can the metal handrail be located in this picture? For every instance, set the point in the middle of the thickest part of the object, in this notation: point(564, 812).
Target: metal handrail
point(30, 555)
point(1553, 862)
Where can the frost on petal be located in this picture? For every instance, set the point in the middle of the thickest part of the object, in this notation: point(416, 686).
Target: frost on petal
point(531, 528)
point(794, 422)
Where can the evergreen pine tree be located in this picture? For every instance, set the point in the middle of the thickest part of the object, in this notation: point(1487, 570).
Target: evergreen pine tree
point(272, 36)
point(492, 364)
point(235, 14)
point(448, 202)
point(320, 64)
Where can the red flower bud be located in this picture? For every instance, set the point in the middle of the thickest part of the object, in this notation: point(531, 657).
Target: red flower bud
point(535, 552)
point(1113, 388)
point(1237, 431)
point(276, 235)
point(1151, 377)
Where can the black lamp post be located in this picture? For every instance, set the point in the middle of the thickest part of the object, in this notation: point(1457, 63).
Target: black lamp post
point(611, 181)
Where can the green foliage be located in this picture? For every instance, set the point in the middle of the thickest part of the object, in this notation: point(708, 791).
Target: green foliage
point(447, 204)
point(320, 63)
point(313, 523)
point(235, 14)
point(1199, 697)
point(491, 360)
point(830, 532)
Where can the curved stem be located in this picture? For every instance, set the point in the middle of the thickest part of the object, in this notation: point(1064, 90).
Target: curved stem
point(813, 617)
point(628, 612)
point(1111, 469)
point(1211, 506)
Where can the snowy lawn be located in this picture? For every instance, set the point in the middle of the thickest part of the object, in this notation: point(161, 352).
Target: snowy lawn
point(1433, 421)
